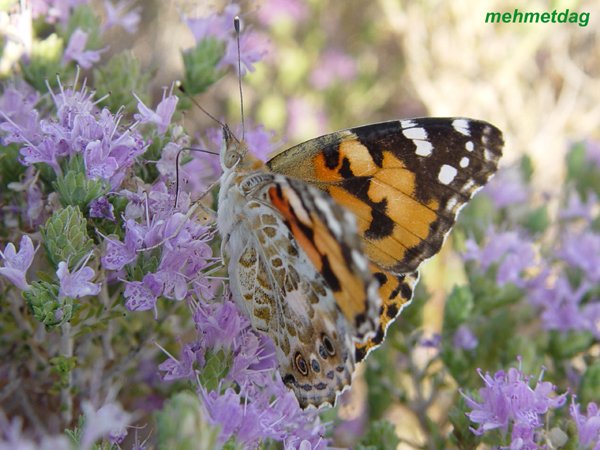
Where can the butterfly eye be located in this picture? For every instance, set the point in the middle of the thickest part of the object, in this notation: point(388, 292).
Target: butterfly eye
point(301, 364)
point(328, 345)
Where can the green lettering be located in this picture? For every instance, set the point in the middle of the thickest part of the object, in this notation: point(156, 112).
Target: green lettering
point(584, 18)
point(546, 17)
point(506, 17)
point(492, 17)
point(532, 17)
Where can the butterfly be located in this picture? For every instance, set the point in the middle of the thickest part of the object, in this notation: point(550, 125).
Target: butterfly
point(324, 240)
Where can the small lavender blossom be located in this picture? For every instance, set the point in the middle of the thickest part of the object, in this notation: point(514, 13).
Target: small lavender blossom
point(16, 263)
point(582, 251)
point(108, 153)
point(54, 11)
point(12, 437)
point(101, 208)
point(76, 284)
point(588, 425)
point(577, 209)
point(110, 420)
point(464, 338)
point(142, 295)
point(507, 188)
point(264, 407)
point(559, 301)
point(508, 401)
point(592, 152)
point(253, 48)
point(273, 11)
point(164, 111)
point(214, 25)
point(116, 16)
point(75, 50)
point(334, 66)
point(509, 249)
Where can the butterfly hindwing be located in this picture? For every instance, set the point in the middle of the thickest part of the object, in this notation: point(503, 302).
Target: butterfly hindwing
point(297, 270)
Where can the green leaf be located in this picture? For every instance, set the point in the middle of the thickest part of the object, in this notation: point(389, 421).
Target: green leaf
point(200, 65)
point(181, 424)
point(45, 305)
point(65, 237)
point(381, 435)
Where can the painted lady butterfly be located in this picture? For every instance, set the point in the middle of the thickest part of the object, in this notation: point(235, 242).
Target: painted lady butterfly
point(324, 241)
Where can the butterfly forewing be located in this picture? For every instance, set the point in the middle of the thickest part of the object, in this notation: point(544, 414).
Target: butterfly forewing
point(405, 181)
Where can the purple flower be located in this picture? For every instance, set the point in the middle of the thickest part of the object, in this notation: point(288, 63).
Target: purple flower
point(305, 119)
point(588, 425)
point(162, 116)
point(334, 67)
point(183, 368)
point(464, 338)
point(508, 400)
point(108, 421)
point(263, 407)
point(577, 209)
point(509, 250)
point(54, 11)
point(118, 254)
point(253, 48)
point(583, 252)
point(108, 153)
point(75, 50)
point(273, 11)
point(142, 295)
point(76, 284)
point(16, 112)
point(507, 188)
point(560, 303)
point(98, 161)
point(214, 25)
point(17, 263)
point(101, 208)
point(13, 437)
point(592, 152)
point(116, 15)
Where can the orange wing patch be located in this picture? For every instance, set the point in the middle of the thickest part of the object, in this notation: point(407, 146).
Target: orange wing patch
point(331, 253)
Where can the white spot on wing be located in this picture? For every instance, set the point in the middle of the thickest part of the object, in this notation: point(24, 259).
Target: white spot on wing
point(407, 124)
point(447, 174)
point(462, 126)
point(424, 148)
point(464, 162)
point(470, 146)
point(415, 133)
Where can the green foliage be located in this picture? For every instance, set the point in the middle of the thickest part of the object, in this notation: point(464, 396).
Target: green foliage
point(120, 76)
point(181, 424)
point(75, 188)
point(86, 19)
point(216, 367)
point(200, 65)
point(45, 61)
point(46, 306)
point(381, 435)
point(65, 237)
point(590, 384)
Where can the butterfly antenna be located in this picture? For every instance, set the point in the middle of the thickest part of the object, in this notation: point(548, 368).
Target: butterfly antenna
point(198, 105)
point(236, 25)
